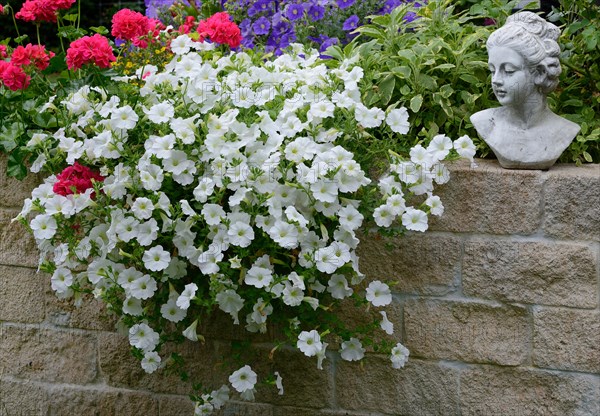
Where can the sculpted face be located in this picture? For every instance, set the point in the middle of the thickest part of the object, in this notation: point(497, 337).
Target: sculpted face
point(512, 81)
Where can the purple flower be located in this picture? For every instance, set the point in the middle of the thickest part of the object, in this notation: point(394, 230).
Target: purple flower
point(343, 4)
point(294, 11)
point(350, 23)
point(261, 26)
point(389, 6)
point(316, 12)
point(260, 6)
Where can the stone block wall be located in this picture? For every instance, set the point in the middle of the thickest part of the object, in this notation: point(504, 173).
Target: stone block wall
point(499, 304)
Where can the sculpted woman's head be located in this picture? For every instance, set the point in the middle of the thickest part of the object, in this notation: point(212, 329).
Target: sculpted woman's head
point(523, 58)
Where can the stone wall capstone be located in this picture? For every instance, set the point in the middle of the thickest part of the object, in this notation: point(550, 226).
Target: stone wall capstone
point(499, 304)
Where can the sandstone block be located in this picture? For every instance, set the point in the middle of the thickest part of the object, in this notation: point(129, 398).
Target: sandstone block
point(420, 388)
point(12, 191)
point(91, 314)
point(469, 332)
point(420, 263)
point(17, 246)
point(490, 199)
point(21, 291)
point(211, 363)
point(66, 401)
point(48, 355)
point(234, 408)
point(175, 406)
point(567, 339)
point(22, 398)
point(549, 273)
point(499, 392)
point(572, 202)
point(304, 385)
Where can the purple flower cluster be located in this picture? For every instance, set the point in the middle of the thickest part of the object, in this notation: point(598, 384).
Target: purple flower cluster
point(278, 23)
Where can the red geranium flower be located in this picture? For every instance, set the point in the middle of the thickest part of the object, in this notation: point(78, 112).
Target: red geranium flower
point(90, 50)
point(76, 179)
point(14, 77)
point(128, 25)
point(42, 10)
point(32, 55)
point(220, 29)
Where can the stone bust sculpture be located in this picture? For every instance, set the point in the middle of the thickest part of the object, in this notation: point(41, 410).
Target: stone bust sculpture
point(523, 58)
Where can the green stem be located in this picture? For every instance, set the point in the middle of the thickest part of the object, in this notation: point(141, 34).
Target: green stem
point(78, 13)
point(37, 31)
point(62, 46)
point(12, 12)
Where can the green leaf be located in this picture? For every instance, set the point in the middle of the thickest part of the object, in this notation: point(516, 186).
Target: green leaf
point(402, 72)
point(386, 89)
point(445, 66)
point(408, 55)
point(9, 136)
point(415, 103)
point(99, 29)
point(70, 17)
point(371, 31)
point(470, 79)
point(588, 158)
point(16, 165)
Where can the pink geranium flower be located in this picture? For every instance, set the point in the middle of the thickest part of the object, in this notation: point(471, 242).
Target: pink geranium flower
point(76, 179)
point(90, 50)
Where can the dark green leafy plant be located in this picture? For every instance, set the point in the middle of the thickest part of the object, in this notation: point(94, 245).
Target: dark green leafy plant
point(578, 95)
point(436, 66)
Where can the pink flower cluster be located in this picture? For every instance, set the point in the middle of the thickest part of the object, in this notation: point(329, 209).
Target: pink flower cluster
point(32, 55)
point(90, 50)
point(76, 179)
point(14, 73)
point(133, 26)
point(42, 10)
point(220, 29)
point(13, 76)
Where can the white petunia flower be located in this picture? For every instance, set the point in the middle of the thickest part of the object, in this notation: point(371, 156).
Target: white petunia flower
point(439, 147)
point(151, 362)
point(240, 234)
point(123, 118)
point(338, 287)
point(132, 306)
point(243, 379)
point(369, 117)
point(143, 287)
point(171, 312)
point(230, 302)
point(384, 215)
point(279, 382)
point(435, 204)
point(397, 119)
point(415, 220)
point(385, 324)
point(352, 350)
point(258, 277)
point(309, 343)
point(62, 279)
point(399, 356)
point(44, 227)
point(142, 208)
point(465, 147)
point(190, 332)
point(379, 293)
point(143, 337)
point(213, 213)
point(156, 258)
point(189, 292)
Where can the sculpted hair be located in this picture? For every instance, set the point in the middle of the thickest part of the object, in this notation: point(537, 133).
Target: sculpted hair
point(536, 41)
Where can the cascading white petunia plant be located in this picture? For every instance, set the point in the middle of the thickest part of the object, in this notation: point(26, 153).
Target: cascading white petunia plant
point(227, 182)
